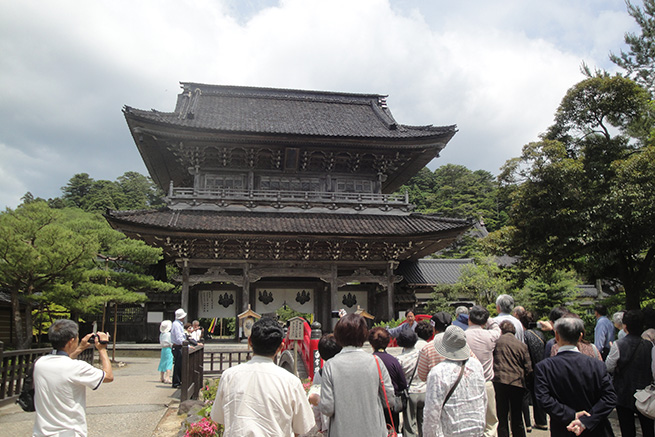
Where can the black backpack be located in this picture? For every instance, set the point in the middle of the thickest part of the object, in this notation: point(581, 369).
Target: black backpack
point(26, 396)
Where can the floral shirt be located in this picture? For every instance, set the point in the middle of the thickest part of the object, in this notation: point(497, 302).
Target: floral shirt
point(464, 413)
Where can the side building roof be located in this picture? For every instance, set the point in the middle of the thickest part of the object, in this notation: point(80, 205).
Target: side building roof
point(432, 272)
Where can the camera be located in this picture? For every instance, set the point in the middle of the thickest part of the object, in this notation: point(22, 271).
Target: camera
point(94, 337)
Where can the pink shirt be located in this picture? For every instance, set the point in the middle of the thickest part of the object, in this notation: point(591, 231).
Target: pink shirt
point(482, 343)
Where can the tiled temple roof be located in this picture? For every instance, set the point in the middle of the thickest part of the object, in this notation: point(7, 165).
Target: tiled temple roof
point(281, 111)
point(431, 272)
point(315, 224)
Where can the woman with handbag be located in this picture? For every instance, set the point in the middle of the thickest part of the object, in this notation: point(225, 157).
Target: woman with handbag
point(415, 393)
point(354, 384)
point(455, 396)
point(379, 339)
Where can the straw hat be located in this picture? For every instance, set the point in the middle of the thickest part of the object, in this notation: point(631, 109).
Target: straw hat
point(180, 314)
point(165, 326)
point(452, 344)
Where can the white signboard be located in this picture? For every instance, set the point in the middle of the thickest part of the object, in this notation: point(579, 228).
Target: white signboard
point(296, 329)
point(154, 317)
point(216, 303)
point(270, 299)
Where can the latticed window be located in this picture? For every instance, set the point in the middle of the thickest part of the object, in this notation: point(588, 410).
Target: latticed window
point(354, 186)
point(217, 182)
point(289, 184)
point(129, 314)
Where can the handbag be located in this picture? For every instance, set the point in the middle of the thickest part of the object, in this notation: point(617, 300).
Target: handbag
point(391, 429)
point(645, 401)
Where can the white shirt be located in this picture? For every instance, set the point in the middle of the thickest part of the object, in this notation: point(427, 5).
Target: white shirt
point(258, 398)
point(60, 385)
point(196, 334)
point(408, 360)
point(516, 322)
point(177, 333)
point(464, 413)
point(165, 339)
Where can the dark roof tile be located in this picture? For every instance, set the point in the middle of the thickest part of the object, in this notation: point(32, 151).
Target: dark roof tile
point(289, 223)
point(430, 272)
point(280, 111)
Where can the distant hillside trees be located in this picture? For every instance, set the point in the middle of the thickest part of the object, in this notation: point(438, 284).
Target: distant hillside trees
point(132, 190)
point(455, 191)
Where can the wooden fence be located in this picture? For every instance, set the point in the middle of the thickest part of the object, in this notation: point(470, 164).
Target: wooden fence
point(217, 362)
point(192, 371)
point(14, 366)
point(198, 363)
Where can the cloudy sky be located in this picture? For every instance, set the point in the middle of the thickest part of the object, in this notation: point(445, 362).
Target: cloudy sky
point(497, 69)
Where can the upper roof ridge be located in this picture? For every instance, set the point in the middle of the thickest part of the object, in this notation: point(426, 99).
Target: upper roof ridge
point(285, 93)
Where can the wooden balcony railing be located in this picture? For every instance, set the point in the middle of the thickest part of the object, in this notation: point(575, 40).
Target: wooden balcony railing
point(279, 199)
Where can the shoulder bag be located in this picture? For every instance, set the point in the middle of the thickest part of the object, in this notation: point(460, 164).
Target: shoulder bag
point(26, 396)
point(391, 429)
point(452, 389)
point(645, 401)
point(404, 395)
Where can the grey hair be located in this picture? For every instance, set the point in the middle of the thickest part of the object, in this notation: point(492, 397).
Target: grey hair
point(569, 329)
point(505, 302)
point(461, 310)
point(61, 331)
point(617, 318)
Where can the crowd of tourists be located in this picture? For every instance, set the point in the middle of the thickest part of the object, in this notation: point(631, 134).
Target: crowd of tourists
point(471, 376)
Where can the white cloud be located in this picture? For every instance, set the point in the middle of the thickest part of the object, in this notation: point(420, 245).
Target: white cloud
point(498, 72)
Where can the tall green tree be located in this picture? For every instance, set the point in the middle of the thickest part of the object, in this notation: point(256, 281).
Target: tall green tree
point(639, 60)
point(579, 196)
point(39, 254)
point(72, 259)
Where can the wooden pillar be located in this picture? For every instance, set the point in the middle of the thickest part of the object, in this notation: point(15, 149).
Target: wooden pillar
point(185, 286)
point(390, 292)
point(245, 290)
point(334, 299)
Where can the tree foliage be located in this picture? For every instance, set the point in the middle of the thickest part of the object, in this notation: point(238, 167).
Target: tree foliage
point(455, 191)
point(579, 196)
point(543, 291)
point(639, 60)
point(39, 254)
point(481, 282)
point(131, 191)
point(69, 258)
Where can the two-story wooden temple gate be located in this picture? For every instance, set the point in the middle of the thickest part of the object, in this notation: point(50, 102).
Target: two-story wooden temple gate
point(285, 197)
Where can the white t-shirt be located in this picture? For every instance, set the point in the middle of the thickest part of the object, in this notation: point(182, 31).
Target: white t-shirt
point(258, 398)
point(60, 385)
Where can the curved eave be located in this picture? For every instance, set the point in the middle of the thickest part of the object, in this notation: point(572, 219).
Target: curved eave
point(424, 136)
point(285, 225)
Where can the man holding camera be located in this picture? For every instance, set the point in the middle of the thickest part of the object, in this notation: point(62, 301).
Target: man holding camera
point(60, 380)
